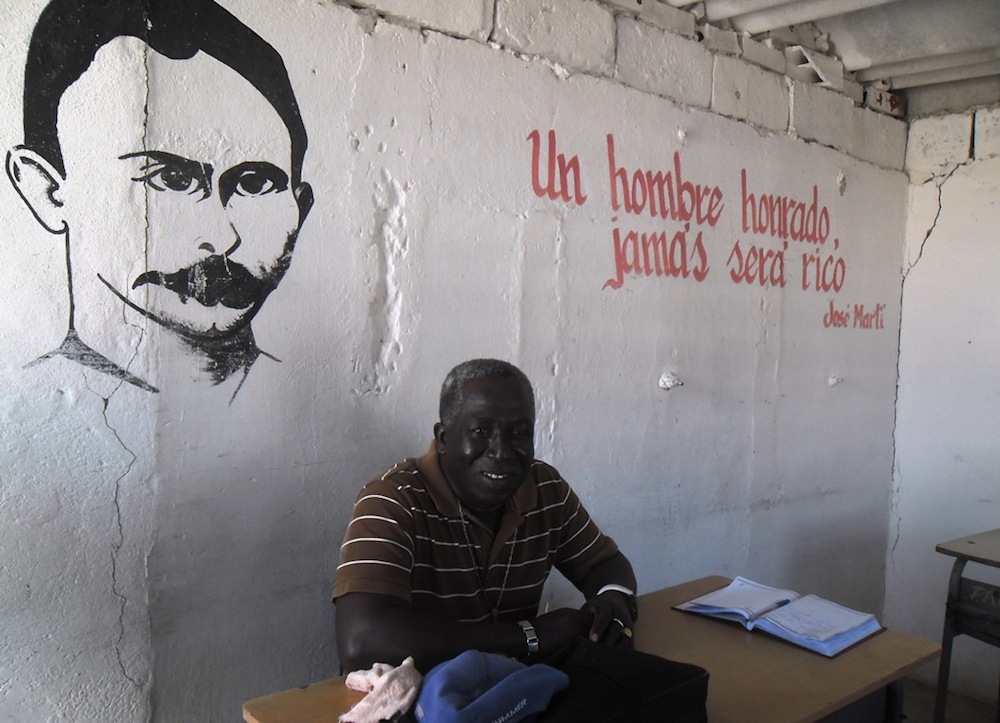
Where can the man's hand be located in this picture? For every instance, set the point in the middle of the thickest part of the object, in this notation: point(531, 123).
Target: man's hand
point(611, 619)
point(559, 627)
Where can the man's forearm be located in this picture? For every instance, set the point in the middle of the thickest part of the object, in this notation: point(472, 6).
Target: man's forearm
point(368, 634)
point(616, 570)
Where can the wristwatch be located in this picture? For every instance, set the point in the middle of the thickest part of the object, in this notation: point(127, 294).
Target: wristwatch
point(530, 635)
point(633, 601)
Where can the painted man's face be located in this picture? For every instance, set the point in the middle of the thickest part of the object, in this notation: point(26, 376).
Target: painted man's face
point(189, 215)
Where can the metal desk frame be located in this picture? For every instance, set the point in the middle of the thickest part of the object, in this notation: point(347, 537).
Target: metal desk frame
point(973, 607)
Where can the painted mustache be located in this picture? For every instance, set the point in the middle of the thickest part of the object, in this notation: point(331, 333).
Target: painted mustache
point(212, 281)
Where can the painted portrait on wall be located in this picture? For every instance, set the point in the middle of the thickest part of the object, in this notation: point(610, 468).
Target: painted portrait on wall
point(176, 228)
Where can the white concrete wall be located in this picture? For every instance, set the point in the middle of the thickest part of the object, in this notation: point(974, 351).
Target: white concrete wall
point(948, 413)
point(168, 555)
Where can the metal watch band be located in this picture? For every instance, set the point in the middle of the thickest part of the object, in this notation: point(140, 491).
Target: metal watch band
point(530, 635)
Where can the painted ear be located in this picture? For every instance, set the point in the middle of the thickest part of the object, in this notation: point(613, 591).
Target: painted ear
point(39, 185)
point(304, 198)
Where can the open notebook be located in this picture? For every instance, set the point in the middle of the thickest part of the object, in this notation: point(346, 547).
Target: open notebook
point(808, 621)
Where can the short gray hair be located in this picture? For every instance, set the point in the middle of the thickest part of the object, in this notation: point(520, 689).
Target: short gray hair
point(453, 389)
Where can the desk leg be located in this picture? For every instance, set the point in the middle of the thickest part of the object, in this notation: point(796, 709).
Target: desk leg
point(950, 630)
point(894, 702)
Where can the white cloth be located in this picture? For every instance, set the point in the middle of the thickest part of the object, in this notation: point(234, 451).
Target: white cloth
point(391, 692)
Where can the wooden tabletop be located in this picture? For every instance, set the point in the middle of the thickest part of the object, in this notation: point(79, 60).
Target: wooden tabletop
point(753, 677)
point(317, 703)
point(983, 548)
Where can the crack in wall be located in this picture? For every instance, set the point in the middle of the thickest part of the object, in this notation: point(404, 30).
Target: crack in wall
point(940, 181)
point(119, 540)
point(895, 472)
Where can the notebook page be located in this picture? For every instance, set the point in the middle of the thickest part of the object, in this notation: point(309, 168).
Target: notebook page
point(816, 618)
point(745, 596)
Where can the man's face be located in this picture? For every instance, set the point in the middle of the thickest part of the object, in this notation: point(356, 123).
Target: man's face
point(183, 208)
point(486, 451)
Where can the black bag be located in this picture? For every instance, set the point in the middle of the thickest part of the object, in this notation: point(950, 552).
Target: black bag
point(620, 685)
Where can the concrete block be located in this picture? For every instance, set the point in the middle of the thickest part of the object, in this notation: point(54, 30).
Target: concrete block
point(632, 6)
point(763, 55)
point(720, 41)
point(666, 17)
point(810, 66)
point(663, 63)
point(821, 115)
point(885, 101)
point(770, 100)
point(987, 139)
point(936, 143)
point(878, 138)
point(744, 91)
point(579, 34)
point(465, 18)
point(854, 90)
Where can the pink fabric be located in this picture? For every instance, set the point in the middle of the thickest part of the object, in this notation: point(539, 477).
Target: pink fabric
point(391, 692)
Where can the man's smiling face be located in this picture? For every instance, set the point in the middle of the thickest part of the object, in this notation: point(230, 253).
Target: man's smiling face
point(191, 219)
point(486, 451)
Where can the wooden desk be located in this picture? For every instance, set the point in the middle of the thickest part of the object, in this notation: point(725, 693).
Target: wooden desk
point(753, 677)
point(973, 607)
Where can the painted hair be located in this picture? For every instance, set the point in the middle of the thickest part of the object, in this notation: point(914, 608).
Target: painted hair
point(453, 389)
point(69, 33)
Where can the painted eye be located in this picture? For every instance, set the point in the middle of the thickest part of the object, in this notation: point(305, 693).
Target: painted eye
point(257, 184)
point(185, 178)
point(252, 180)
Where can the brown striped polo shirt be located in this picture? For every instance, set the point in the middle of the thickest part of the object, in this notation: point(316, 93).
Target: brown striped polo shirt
point(407, 538)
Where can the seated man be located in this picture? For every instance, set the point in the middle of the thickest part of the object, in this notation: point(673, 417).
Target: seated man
point(449, 551)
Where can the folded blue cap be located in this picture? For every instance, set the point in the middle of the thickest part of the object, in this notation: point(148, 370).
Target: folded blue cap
point(478, 687)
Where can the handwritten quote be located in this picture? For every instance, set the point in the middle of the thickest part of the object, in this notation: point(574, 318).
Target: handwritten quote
point(786, 240)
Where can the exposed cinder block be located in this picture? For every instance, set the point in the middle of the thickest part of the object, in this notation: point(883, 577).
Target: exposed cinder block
point(579, 34)
point(811, 66)
point(659, 62)
point(763, 55)
point(937, 142)
point(854, 90)
point(720, 41)
point(466, 18)
point(667, 17)
point(987, 130)
point(744, 91)
point(821, 115)
point(878, 138)
point(885, 101)
point(632, 6)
